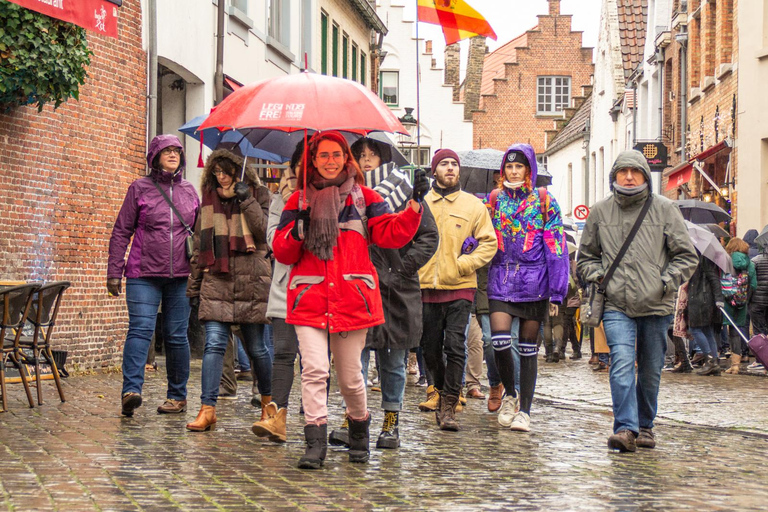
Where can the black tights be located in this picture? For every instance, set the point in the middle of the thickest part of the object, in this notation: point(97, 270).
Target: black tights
point(501, 325)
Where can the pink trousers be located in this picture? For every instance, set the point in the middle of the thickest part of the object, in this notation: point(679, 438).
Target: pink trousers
point(346, 348)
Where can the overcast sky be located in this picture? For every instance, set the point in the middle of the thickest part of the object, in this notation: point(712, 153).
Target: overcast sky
point(510, 18)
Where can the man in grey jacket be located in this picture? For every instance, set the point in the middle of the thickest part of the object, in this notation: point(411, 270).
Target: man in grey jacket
point(639, 299)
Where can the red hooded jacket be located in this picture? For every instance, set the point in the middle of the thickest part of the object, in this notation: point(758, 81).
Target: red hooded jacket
point(341, 294)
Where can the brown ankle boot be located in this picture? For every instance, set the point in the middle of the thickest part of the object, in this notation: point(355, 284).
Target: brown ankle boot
point(494, 397)
point(273, 426)
point(265, 400)
point(206, 419)
point(735, 364)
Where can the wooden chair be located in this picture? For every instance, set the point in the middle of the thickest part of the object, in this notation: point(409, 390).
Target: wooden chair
point(42, 315)
point(16, 302)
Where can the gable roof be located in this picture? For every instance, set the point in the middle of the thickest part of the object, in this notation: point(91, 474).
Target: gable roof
point(574, 129)
point(493, 64)
point(633, 20)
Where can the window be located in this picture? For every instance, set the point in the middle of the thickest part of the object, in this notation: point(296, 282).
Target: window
point(275, 19)
point(354, 62)
point(388, 84)
point(335, 50)
point(418, 155)
point(345, 56)
point(554, 94)
point(363, 72)
point(323, 43)
point(241, 5)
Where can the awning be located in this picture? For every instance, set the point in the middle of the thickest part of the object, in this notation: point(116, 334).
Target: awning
point(98, 16)
point(708, 153)
point(680, 176)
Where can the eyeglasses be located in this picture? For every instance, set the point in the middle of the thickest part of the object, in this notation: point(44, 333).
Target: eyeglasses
point(219, 172)
point(168, 151)
point(324, 157)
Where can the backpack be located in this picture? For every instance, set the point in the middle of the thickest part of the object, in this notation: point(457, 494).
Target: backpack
point(736, 288)
point(543, 201)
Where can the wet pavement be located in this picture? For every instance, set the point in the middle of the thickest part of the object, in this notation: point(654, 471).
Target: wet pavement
point(82, 455)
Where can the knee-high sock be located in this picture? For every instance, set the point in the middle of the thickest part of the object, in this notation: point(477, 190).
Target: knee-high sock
point(505, 363)
point(528, 369)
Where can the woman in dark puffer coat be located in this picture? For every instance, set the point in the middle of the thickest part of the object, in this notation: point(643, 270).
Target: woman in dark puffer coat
point(231, 274)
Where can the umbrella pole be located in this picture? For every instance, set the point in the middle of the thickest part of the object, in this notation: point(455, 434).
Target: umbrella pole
point(242, 173)
point(304, 166)
point(418, 95)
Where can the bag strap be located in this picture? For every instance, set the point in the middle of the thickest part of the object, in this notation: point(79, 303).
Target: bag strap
point(178, 215)
point(494, 198)
point(604, 283)
point(544, 200)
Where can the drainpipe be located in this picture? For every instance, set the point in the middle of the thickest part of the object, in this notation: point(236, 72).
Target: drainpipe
point(660, 62)
point(683, 97)
point(634, 113)
point(218, 77)
point(152, 78)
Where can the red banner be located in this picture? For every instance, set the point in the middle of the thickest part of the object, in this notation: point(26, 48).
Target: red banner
point(97, 16)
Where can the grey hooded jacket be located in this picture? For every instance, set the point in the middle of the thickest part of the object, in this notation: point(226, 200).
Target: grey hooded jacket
point(658, 261)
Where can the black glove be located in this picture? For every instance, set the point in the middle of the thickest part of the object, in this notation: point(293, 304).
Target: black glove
point(242, 191)
point(114, 287)
point(420, 185)
point(194, 302)
point(301, 225)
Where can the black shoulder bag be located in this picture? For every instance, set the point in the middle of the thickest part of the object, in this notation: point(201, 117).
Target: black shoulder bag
point(190, 241)
point(593, 303)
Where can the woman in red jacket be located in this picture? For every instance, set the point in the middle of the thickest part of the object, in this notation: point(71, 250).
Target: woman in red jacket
point(333, 287)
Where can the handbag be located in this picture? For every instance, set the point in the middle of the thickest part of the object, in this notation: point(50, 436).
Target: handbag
point(593, 302)
point(189, 243)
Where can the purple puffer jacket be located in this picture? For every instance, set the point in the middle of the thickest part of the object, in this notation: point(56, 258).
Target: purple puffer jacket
point(533, 264)
point(158, 248)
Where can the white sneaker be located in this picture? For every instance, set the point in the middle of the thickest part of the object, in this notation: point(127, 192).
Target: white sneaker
point(509, 406)
point(756, 366)
point(521, 423)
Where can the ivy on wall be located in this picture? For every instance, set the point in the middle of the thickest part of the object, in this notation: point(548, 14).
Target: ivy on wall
point(42, 59)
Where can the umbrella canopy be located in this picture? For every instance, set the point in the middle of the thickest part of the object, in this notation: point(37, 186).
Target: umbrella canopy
point(213, 137)
point(479, 165)
point(717, 230)
point(487, 159)
point(397, 157)
point(762, 238)
point(304, 101)
point(709, 246)
point(701, 212)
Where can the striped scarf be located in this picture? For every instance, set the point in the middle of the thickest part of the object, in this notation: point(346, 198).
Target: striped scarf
point(392, 184)
point(222, 230)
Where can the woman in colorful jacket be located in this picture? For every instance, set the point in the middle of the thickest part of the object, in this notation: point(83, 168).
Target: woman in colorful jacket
point(156, 271)
point(333, 289)
point(528, 278)
point(231, 275)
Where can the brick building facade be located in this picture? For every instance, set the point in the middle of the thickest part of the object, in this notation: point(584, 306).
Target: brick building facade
point(710, 130)
point(524, 83)
point(64, 175)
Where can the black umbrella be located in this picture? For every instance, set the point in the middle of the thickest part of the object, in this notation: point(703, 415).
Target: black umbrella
point(480, 169)
point(701, 212)
point(762, 238)
point(717, 231)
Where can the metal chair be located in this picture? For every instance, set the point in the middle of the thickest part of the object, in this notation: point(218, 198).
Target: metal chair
point(42, 315)
point(16, 302)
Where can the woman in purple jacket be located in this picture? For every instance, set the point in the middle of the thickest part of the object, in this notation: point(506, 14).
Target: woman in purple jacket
point(156, 271)
point(528, 277)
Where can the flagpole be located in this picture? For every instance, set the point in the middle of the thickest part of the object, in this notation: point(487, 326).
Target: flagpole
point(418, 91)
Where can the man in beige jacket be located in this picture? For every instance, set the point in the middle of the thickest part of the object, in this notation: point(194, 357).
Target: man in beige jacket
point(448, 280)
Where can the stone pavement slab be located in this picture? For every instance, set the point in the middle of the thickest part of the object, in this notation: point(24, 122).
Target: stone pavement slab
point(82, 455)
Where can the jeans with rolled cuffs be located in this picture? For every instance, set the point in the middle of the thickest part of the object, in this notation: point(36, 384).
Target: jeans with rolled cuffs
point(216, 340)
point(642, 339)
point(392, 366)
point(143, 297)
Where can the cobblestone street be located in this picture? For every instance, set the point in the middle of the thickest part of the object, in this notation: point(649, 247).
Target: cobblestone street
point(82, 455)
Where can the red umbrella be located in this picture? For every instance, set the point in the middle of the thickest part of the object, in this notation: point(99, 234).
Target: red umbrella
point(304, 101)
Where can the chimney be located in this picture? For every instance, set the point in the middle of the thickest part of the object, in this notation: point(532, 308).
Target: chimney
point(474, 76)
point(452, 64)
point(554, 7)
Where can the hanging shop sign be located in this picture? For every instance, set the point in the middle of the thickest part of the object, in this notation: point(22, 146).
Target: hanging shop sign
point(655, 154)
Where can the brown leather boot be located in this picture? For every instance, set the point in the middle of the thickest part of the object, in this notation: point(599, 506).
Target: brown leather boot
point(273, 426)
point(265, 401)
point(735, 364)
point(206, 419)
point(494, 397)
point(447, 413)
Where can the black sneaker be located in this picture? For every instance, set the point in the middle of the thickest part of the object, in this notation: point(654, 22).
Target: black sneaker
point(131, 402)
point(623, 441)
point(646, 439)
point(422, 382)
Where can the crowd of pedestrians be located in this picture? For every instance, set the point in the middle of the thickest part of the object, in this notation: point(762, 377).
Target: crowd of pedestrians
point(352, 257)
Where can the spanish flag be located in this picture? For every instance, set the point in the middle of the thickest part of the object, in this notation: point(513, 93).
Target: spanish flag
point(458, 19)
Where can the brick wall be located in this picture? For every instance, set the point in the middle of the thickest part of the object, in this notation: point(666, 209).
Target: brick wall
point(474, 76)
point(509, 115)
point(64, 176)
point(716, 90)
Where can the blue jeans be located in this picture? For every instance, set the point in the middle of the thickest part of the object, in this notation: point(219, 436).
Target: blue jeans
point(490, 360)
point(391, 376)
point(635, 403)
point(216, 340)
point(242, 358)
point(704, 337)
point(144, 296)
